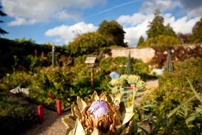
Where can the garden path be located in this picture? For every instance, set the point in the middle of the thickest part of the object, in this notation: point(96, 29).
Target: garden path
point(53, 124)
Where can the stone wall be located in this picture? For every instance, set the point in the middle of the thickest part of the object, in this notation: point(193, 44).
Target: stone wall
point(145, 54)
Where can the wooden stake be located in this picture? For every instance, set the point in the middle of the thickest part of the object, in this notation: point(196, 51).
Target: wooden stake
point(59, 107)
point(40, 113)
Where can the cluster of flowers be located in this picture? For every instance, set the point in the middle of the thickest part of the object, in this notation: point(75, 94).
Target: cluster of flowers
point(50, 95)
point(131, 79)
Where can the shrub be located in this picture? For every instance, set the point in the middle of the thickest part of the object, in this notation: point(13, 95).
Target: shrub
point(15, 115)
point(118, 64)
point(161, 40)
point(175, 89)
point(192, 68)
point(174, 86)
point(86, 44)
point(15, 79)
point(53, 84)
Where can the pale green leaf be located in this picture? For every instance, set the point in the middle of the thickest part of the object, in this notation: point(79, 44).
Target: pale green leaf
point(95, 131)
point(81, 104)
point(95, 96)
point(69, 122)
point(127, 117)
point(79, 128)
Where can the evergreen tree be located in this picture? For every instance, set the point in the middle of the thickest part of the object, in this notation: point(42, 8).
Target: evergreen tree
point(2, 32)
point(156, 27)
point(113, 32)
point(169, 31)
point(196, 36)
point(141, 40)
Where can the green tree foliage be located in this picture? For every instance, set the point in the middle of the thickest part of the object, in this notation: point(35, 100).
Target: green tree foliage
point(160, 41)
point(169, 31)
point(2, 32)
point(86, 44)
point(157, 28)
point(141, 40)
point(196, 36)
point(113, 32)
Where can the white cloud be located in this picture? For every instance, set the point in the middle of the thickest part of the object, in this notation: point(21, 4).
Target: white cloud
point(68, 33)
point(67, 15)
point(183, 25)
point(136, 18)
point(151, 5)
point(133, 34)
point(43, 10)
point(139, 28)
point(135, 26)
point(20, 21)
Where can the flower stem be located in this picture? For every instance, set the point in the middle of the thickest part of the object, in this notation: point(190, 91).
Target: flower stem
point(134, 92)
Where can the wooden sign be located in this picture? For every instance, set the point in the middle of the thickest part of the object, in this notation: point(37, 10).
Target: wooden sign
point(90, 60)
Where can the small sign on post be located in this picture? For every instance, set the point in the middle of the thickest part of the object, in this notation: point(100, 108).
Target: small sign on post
point(90, 61)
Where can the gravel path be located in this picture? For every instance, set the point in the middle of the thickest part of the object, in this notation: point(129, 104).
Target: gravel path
point(53, 124)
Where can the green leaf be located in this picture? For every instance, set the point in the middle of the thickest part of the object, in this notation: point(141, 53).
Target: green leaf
point(192, 88)
point(177, 108)
point(69, 122)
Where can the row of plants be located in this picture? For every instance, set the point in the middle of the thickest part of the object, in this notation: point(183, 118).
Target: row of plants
point(66, 83)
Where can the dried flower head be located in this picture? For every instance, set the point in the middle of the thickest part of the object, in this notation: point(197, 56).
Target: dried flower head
point(98, 115)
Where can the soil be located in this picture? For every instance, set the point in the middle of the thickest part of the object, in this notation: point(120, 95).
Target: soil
point(53, 124)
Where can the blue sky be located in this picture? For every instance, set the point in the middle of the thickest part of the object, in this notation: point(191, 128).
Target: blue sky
point(59, 21)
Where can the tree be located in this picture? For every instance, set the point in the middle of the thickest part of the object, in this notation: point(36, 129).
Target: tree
point(141, 40)
point(86, 43)
point(156, 27)
point(2, 32)
point(183, 37)
point(161, 41)
point(196, 36)
point(169, 31)
point(113, 32)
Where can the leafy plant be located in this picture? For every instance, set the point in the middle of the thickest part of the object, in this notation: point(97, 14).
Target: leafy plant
point(57, 82)
point(15, 79)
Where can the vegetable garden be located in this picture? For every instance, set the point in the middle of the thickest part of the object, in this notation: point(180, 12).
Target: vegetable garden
point(166, 109)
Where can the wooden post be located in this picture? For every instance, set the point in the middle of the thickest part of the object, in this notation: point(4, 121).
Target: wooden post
point(59, 107)
point(90, 61)
point(40, 113)
point(92, 78)
point(53, 56)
